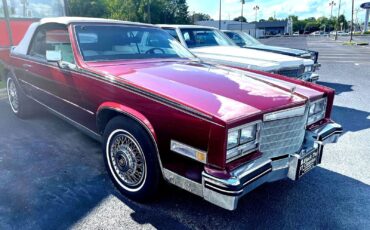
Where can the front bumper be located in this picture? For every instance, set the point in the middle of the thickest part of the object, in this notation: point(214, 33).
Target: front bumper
point(226, 192)
point(310, 77)
point(316, 66)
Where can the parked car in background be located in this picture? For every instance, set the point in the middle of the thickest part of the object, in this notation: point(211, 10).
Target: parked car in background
point(296, 34)
point(244, 40)
point(340, 33)
point(212, 45)
point(129, 84)
point(316, 33)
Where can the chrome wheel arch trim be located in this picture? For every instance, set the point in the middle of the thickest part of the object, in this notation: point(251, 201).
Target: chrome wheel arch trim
point(108, 155)
point(147, 130)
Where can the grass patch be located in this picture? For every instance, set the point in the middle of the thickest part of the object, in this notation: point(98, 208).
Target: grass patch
point(2, 84)
point(355, 43)
point(349, 43)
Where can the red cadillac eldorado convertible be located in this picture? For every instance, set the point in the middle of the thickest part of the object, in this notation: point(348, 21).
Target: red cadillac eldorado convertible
point(161, 113)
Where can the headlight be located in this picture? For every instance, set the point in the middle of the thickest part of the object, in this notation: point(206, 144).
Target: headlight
point(317, 111)
point(233, 139)
point(241, 140)
point(308, 68)
point(248, 134)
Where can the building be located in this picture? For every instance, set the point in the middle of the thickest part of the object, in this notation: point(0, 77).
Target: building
point(249, 28)
point(275, 27)
point(259, 29)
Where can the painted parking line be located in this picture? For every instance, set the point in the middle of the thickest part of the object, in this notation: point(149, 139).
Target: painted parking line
point(349, 62)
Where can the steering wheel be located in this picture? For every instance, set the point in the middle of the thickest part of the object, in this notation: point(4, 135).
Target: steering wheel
point(152, 51)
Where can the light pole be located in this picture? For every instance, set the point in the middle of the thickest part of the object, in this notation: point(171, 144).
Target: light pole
point(219, 18)
point(353, 9)
point(241, 17)
point(331, 4)
point(25, 5)
point(256, 8)
point(336, 28)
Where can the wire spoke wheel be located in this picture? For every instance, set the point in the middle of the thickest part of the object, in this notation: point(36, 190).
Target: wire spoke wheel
point(13, 95)
point(128, 160)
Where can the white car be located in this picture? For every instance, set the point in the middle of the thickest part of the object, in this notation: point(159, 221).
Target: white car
point(340, 33)
point(211, 45)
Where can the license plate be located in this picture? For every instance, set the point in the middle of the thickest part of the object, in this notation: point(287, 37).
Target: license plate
point(307, 163)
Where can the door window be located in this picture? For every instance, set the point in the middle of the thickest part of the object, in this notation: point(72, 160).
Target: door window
point(173, 33)
point(52, 39)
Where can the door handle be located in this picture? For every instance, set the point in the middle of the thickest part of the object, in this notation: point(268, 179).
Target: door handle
point(27, 66)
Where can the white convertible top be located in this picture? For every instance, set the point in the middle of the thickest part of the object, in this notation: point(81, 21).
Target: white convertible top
point(22, 47)
point(69, 20)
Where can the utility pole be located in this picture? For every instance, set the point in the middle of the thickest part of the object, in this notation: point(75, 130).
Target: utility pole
point(219, 18)
point(256, 8)
point(331, 4)
point(336, 28)
point(353, 9)
point(241, 17)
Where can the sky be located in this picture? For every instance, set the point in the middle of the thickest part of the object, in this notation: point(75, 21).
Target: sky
point(281, 8)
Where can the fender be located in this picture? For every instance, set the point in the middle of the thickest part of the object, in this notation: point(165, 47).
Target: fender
point(129, 112)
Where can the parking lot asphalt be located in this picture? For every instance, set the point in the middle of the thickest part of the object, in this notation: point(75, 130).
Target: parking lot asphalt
point(53, 177)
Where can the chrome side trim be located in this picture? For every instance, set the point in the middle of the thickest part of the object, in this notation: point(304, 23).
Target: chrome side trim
point(62, 99)
point(84, 129)
point(182, 182)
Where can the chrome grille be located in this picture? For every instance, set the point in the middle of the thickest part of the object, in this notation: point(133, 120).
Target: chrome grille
point(284, 136)
point(292, 72)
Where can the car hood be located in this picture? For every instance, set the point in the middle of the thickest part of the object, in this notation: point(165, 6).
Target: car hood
point(220, 92)
point(280, 50)
point(235, 54)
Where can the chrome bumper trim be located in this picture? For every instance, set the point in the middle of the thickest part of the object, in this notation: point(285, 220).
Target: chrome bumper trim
point(226, 192)
point(314, 78)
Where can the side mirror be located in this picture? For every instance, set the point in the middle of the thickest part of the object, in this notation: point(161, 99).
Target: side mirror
point(53, 55)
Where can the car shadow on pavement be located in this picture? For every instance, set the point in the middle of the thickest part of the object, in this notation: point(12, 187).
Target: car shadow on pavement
point(320, 200)
point(339, 88)
point(352, 120)
point(53, 177)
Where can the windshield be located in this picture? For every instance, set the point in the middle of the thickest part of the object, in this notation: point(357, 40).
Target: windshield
point(242, 39)
point(117, 42)
point(200, 37)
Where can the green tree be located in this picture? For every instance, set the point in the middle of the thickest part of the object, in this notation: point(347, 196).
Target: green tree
point(342, 21)
point(312, 26)
point(93, 8)
point(240, 18)
point(200, 17)
point(153, 11)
